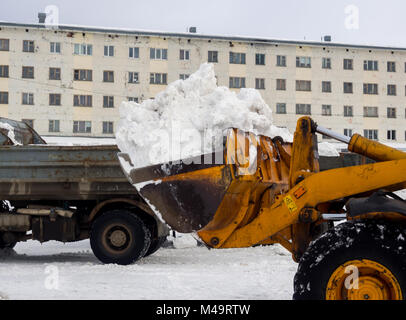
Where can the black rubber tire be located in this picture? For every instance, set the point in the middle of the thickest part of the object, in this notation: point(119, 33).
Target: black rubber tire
point(155, 245)
point(379, 241)
point(6, 245)
point(137, 237)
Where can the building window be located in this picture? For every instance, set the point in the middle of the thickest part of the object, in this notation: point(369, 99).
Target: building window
point(370, 88)
point(213, 56)
point(391, 89)
point(371, 112)
point(28, 46)
point(348, 132)
point(303, 62)
point(4, 45)
point(370, 65)
point(83, 49)
point(28, 73)
point(53, 126)
point(260, 83)
point(184, 54)
point(326, 110)
point(108, 76)
point(348, 64)
point(109, 51)
point(133, 99)
point(158, 54)
point(4, 72)
point(27, 98)
point(107, 127)
point(280, 61)
point(183, 76)
point(108, 101)
point(54, 99)
point(348, 87)
point(348, 111)
point(326, 86)
point(158, 78)
point(237, 58)
point(391, 135)
point(3, 97)
point(55, 47)
point(391, 112)
point(133, 77)
point(326, 63)
point(134, 52)
point(82, 75)
point(280, 84)
point(391, 66)
point(82, 126)
point(54, 73)
point(281, 108)
point(260, 59)
point(82, 100)
point(29, 122)
point(303, 85)
point(302, 108)
point(371, 134)
point(237, 82)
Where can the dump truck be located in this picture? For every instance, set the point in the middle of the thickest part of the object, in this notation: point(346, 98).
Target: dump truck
point(344, 225)
point(71, 193)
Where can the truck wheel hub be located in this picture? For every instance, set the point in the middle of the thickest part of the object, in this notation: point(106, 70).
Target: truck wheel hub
point(363, 280)
point(116, 238)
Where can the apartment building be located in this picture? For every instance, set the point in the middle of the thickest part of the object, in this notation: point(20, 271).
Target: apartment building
point(71, 80)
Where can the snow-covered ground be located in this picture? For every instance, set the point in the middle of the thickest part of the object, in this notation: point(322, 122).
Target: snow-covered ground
point(70, 271)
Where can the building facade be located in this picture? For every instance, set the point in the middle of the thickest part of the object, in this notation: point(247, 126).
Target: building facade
point(71, 80)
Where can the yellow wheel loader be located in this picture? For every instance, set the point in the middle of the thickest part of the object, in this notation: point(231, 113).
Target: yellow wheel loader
point(259, 190)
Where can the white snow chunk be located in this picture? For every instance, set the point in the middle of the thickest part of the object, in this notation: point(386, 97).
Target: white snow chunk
point(327, 149)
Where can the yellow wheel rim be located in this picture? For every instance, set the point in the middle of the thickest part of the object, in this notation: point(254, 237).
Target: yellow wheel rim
point(363, 280)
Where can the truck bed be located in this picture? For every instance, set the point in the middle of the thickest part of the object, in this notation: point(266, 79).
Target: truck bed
point(43, 172)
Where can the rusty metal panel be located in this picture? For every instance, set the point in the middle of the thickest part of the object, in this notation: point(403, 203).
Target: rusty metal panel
point(346, 159)
point(14, 222)
point(62, 173)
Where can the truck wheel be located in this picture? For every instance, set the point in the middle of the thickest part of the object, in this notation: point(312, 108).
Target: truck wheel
point(119, 237)
point(364, 260)
point(155, 245)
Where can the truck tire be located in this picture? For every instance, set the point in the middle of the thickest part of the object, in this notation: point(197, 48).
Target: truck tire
point(155, 245)
point(119, 237)
point(6, 244)
point(364, 260)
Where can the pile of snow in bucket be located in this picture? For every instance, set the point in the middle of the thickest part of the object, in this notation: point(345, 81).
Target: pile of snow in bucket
point(189, 119)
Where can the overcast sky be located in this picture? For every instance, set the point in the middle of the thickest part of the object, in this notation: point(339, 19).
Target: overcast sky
point(377, 23)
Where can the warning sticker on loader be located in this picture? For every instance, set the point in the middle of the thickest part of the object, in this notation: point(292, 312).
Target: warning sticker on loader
point(290, 203)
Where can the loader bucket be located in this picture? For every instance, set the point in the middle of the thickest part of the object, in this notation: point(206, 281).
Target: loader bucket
point(186, 193)
point(205, 191)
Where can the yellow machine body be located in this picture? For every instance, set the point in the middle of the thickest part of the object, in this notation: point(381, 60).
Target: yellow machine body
point(267, 190)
